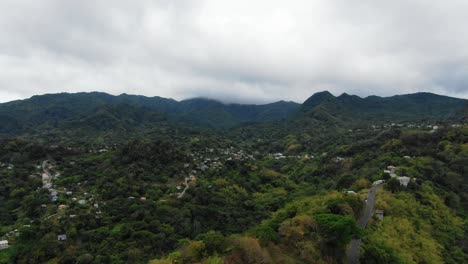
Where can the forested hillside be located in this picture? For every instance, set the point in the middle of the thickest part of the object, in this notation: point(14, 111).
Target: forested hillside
point(94, 178)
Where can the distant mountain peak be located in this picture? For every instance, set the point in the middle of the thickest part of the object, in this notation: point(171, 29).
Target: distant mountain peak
point(317, 99)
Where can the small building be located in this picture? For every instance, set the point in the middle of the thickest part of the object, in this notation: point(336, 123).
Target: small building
point(3, 244)
point(379, 214)
point(62, 206)
point(82, 201)
point(54, 198)
point(404, 180)
point(62, 237)
point(378, 182)
point(351, 192)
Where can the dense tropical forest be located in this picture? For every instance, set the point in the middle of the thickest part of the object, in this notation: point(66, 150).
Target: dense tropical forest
point(96, 178)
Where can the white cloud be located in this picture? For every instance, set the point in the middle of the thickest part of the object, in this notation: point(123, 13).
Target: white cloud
point(243, 51)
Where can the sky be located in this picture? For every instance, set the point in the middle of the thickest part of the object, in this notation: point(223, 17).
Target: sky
point(235, 51)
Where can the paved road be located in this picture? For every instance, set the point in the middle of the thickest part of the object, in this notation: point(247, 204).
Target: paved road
point(352, 254)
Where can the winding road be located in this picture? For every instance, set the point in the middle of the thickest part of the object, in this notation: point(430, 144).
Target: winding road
point(352, 254)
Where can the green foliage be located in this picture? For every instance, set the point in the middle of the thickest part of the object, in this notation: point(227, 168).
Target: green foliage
point(248, 210)
point(336, 228)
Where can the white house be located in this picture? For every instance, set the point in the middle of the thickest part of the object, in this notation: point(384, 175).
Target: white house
point(378, 182)
point(62, 237)
point(3, 244)
point(404, 180)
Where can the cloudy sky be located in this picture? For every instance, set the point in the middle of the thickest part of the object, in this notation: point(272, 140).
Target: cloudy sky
point(238, 51)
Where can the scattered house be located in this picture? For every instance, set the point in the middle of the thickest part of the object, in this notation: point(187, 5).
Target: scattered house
point(62, 206)
point(82, 201)
point(379, 214)
point(404, 180)
point(142, 199)
point(131, 197)
point(179, 187)
point(3, 244)
point(387, 171)
point(69, 193)
point(351, 192)
point(391, 168)
point(62, 237)
point(72, 216)
point(378, 182)
point(96, 205)
point(54, 193)
point(54, 198)
point(407, 157)
point(103, 150)
point(10, 166)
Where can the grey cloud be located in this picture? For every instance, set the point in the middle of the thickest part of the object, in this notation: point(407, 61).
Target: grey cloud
point(238, 51)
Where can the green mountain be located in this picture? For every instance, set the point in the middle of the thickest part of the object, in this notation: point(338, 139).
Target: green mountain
point(96, 178)
point(70, 110)
point(409, 107)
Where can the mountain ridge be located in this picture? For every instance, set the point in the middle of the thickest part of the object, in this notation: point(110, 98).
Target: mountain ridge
point(54, 111)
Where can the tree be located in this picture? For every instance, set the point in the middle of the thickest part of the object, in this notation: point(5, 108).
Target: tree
point(393, 185)
point(336, 228)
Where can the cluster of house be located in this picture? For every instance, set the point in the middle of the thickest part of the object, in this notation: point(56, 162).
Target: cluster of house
point(213, 158)
point(47, 180)
point(391, 171)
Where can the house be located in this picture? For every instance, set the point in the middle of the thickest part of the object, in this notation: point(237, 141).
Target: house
point(351, 192)
point(62, 237)
point(54, 198)
point(378, 182)
point(3, 244)
point(404, 180)
point(391, 168)
point(379, 214)
point(82, 201)
point(62, 206)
